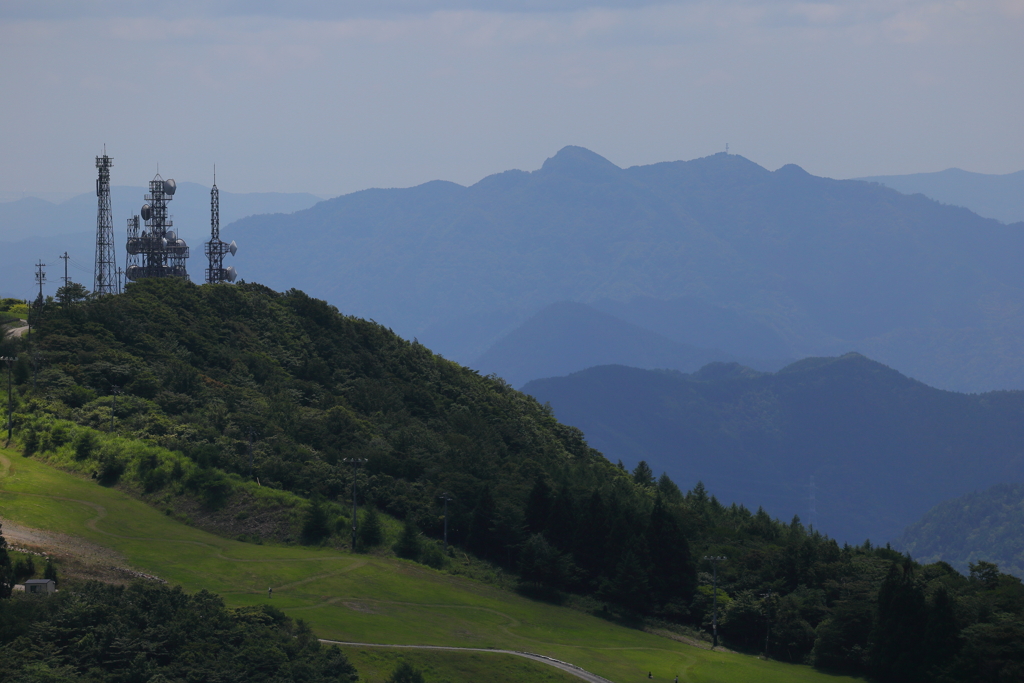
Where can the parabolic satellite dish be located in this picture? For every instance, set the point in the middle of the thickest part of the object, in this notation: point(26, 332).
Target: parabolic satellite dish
point(231, 273)
point(169, 186)
point(233, 247)
point(146, 212)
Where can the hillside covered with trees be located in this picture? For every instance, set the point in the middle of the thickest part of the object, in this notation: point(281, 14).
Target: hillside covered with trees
point(869, 449)
point(109, 634)
point(981, 525)
point(199, 368)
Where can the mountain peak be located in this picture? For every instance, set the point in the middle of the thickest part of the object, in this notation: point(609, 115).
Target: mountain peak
point(579, 162)
point(792, 171)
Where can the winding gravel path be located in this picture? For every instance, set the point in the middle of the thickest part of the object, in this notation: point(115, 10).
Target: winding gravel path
point(550, 661)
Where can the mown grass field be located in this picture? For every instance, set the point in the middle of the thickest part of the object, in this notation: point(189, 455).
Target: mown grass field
point(369, 599)
point(376, 664)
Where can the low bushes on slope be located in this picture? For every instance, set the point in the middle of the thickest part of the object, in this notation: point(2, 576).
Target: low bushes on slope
point(101, 633)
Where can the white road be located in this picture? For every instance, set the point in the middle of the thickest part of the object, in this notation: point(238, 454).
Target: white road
point(550, 661)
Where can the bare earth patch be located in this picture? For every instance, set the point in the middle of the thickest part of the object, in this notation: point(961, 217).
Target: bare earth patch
point(76, 557)
point(361, 607)
point(678, 637)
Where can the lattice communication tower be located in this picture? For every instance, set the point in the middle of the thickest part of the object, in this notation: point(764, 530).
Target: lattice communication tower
point(157, 251)
point(105, 279)
point(215, 248)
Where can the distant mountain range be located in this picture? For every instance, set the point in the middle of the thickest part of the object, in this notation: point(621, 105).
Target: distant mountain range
point(981, 525)
point(847, 443)
point(714, 253)
point(567, 337)
point(993, 196)
point(33, 229)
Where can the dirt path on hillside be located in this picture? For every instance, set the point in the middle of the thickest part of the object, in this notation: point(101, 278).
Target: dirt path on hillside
point(16, 331)
point(550, 661)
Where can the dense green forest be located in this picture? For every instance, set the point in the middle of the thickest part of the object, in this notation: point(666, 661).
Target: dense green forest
point(200, 368)
point(981, 525)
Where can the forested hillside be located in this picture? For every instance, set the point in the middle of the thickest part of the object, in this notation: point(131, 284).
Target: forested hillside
point(990, 195)
point(814, 266)
point(110, 634)
point(981, 525)
point(199, 367)
point(869, 449)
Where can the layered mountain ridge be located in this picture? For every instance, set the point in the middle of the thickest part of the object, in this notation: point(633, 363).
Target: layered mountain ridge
point(822, 265)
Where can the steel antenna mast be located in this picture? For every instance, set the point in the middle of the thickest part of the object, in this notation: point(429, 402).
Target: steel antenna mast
point(215, 248)
point(105, 280)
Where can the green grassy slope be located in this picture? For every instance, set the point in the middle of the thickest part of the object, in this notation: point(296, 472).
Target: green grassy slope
point(358, 597)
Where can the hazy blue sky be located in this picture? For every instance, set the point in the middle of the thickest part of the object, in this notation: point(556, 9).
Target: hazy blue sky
point(331, 97)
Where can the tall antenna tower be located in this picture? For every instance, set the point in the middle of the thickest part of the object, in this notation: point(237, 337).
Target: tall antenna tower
point(215, 248)
point(157, 251)
point(105, 274)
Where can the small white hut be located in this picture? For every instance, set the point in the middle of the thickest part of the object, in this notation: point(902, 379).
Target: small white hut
point(40, 586)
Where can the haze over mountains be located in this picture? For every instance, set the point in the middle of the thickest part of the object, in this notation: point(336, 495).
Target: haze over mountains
point(992, 196)
point(815, 266)
point(567, 337)
point(875, 448)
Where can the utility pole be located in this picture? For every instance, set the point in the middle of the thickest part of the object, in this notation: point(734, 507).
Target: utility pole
point(29, 321)
point(355, 462)
point(115, 390)
point(40, 279)
point(10, 399)
point(768, 619)
point(446, 497)
point(714, 560)
point(67, 281)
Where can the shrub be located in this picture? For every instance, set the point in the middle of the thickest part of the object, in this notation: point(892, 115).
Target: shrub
point(406, 673)
point(433, 555)
point(371, 531)
point(408, 545)
point(315, 527)
point(85, 444)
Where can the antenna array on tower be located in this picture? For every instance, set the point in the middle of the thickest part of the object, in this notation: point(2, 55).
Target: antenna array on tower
point(215, 248)
point(157, 251)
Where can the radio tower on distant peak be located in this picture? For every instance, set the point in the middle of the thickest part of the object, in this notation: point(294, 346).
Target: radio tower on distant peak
point(215, 248)
point(105, 280)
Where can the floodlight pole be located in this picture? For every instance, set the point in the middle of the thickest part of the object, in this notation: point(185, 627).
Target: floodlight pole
point(10, 400)
point(355, 462)
point(446, 497)
point(768, 619)
point(115, 390)
point(714, 560)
